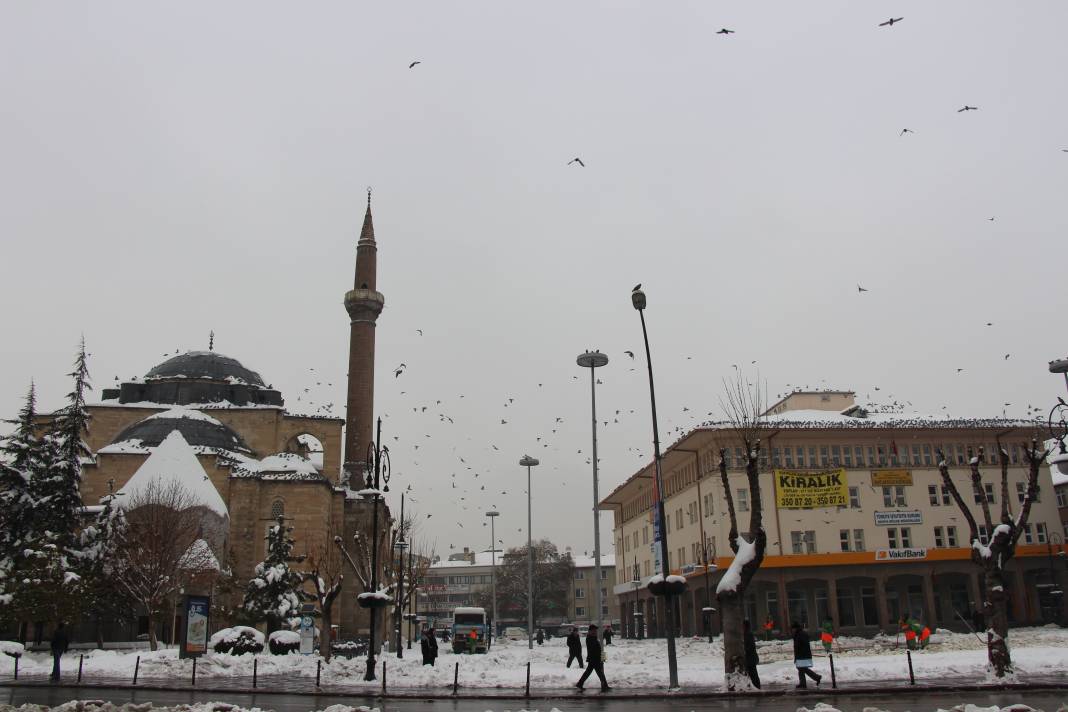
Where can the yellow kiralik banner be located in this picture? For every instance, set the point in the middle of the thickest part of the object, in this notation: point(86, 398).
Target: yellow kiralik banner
point(811, 490)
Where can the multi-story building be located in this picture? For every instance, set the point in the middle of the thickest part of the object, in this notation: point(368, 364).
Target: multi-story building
point(892, 543)
point(466, 580)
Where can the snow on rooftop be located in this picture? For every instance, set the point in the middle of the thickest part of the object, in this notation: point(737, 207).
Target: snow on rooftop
point(175, 460)
point(199, 557)
point(485, 558)
point(280, 466)
point(179, 411)
point(608, 561)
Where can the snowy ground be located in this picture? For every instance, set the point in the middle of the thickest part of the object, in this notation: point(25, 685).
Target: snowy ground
point(629, 665)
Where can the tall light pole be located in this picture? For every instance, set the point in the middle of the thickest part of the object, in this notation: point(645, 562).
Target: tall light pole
point(377, 474)
point(708, 552)
point(594, 360)
point(493, 568)
point(637, 580)
point(529, 462)
point(400, 545)
point(637, 299)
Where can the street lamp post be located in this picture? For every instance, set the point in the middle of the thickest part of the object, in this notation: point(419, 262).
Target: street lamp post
point(594, 360)
point(637, 581)
point(377, 473)
point(710, 563)
point(637, 299)
point(529, 462)
point(493, 568)
point(400, 545)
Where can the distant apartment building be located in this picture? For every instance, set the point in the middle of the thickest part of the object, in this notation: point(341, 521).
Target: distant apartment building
point(893, 543)
point(466, 580)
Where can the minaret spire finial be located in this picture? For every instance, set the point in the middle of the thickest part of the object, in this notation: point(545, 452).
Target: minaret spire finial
point(211, 340)
point(368, 197)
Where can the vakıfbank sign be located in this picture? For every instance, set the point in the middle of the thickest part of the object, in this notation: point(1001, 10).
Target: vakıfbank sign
point(900, 554)
point(811, 490)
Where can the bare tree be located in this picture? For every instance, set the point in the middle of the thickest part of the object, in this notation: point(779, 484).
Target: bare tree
point(745, 410)
point(326, 576)
point(992, 556)
point(162, 548)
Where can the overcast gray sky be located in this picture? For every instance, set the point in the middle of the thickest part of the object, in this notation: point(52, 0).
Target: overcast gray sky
point(169, 169)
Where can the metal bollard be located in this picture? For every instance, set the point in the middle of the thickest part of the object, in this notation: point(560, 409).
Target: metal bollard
point(912, 676)
point(81, 659)
point(528, 679)
point(318, 671)
point(455, 678)
point(834, 680)
point(194, 672)
point(137, 666)
point(255, 666)
point(17, 666)
point(383, 677)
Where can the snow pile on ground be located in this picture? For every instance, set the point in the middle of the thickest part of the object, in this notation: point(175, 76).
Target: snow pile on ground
point(630, 664)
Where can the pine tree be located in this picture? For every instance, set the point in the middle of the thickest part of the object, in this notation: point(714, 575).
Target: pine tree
point(19, 459)
point(274, 594)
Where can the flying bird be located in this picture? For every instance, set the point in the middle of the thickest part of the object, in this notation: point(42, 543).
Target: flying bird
point(905, 131)
point(414, 63)
point(725, 31)
point(420, 331)
point(577, 160)
point(861, 289)
point(1007, 356)
point(967, 108)
point(891, 21)
point(629, 353)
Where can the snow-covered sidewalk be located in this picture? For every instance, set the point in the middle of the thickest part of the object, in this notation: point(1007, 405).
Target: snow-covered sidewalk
point(1038, 653)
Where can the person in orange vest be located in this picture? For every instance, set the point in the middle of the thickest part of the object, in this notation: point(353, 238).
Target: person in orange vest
point(827, 634)
point(917, 635)
point(769, 625)
point(472, 642)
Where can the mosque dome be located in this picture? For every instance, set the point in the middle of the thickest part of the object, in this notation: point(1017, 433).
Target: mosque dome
point(198, 429)
point(205, 364)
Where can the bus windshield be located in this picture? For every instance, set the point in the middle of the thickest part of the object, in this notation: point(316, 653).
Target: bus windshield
point(468, 619)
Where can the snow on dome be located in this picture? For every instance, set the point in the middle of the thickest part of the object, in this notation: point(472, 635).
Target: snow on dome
point(175, 461)
point(209, 365)
point(181, 412)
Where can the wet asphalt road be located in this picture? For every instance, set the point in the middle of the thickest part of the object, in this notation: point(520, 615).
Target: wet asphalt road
point(919, 701)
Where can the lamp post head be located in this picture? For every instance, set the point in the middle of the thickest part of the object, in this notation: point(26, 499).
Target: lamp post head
point(493, 514)
point(400, 544)
point(591, 359)
point(1059, 366)
point(528, 461)
point(637, 298)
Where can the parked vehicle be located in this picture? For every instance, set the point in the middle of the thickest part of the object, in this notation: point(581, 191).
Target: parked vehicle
point(515, 633)
point(466, 619)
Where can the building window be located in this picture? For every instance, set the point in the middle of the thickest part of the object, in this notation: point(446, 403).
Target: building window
point(604, 610)
point(580, 611)
point(847, 456)
point(681, 561)
point(891, 538)
point(788, 452)
point(869, 606)
point(580, 593)
point(984, 535)
point(803, 542)
point(988, 487)
point(858, 453)
point(278, 509)
point(1021, 493)
point(1028, 538)
point(858, 540)
point(932, 493)
point(800, 456)
point(951, 537)
point(854, 497)
point(1040, 531)
point(823, 456)
point(604, 574)
point(645, 535)
point(846, 615)
point(1062, 497)
point(775, 457)
point(906, 537)
point(812, 461)
point(894, 496)
point(743, 500)
point(945, 495)
point(939, 541)
point(927, 455)
point(843, 537)
point(579, 574)
point(915, 454)
point(648, 567)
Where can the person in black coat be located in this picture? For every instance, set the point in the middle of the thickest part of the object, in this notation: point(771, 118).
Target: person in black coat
point(540, 636)
point(429, 646)
point(59, 645)
point(803, 657)
point(574, 648)
point(594, 663)
point(751, 657)
point(608, 635)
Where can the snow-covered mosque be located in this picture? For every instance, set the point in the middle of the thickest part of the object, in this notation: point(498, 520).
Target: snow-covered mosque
point(215, 426)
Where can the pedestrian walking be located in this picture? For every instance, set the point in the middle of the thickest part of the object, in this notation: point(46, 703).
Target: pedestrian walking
point(803, 657)
point(429, 646)
point(540, 636)
point(445, 636)
point(751, 657)
point(608, 633)
point(59, 645)
point(574, 648)
point(594, 660)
